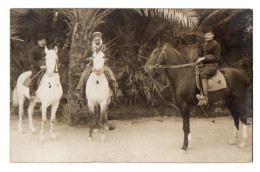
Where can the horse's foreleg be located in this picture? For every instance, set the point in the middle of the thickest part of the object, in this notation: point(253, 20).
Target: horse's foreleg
point(186, 127)
point(90, 137)
point(103, 119)
point(92, 116)
point(54, 108)
point(44, 119)
point(21, 111)
point(30, 115)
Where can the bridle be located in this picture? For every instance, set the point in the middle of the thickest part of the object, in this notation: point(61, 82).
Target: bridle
point(157, 64)
point(162, 54)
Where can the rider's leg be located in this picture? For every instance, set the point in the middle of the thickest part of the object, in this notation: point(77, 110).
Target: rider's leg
point(205, 86)
point(33, 85)
point(84, 77)
point(207, 72)
point(112, 79)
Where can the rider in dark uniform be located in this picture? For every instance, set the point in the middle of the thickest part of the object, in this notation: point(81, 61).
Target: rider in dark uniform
point(37, 60)
point(210, 59)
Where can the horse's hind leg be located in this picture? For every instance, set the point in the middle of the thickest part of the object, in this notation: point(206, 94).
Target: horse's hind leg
point(44, 119)
point(21, 111)
point(54, 108)
point(92, 120)
point(30, 115)
point(243, 141)
point(238, 110)
point(234, 137)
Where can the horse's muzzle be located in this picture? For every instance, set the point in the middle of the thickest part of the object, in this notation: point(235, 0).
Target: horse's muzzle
point(149, 69)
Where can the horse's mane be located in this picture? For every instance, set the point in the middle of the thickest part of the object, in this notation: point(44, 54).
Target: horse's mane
point(176, 52)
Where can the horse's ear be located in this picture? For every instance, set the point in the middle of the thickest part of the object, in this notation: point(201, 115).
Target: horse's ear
point(46, 49)
point(159, 43)
point(56, 49)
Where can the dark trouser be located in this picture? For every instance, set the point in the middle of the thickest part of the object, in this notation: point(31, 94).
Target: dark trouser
point(108, 72)
point(34, 83)
point(207, 72)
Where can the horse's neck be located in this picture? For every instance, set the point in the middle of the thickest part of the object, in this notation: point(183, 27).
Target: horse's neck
point(53, 77)
point(174, 57)
point(178, 75)
point(96, 77)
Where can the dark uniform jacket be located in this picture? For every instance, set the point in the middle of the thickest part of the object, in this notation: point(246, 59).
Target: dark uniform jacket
point(212, 52)
point(37, 57)
point(212, 57)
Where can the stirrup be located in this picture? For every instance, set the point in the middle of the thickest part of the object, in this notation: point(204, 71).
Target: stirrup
point(77, 92)
point(117, 92)
point(203, 100)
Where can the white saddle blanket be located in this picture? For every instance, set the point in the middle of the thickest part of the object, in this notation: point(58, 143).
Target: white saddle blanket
point(217, 82)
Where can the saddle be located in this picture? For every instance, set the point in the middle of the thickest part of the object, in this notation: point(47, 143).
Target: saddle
point(217, 82)
point(39, 77)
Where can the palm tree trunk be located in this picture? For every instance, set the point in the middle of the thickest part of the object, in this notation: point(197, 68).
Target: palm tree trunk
point(76, 109)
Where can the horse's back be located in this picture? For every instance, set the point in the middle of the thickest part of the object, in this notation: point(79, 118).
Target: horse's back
point(25, 76)
point(237, 81)
point(235, 75)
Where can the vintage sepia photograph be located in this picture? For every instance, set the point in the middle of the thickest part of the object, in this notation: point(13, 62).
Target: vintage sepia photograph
point(131, 85)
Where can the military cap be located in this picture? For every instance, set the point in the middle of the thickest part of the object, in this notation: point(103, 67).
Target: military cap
point(97, 34)
point(41, 36)
point(207, 29)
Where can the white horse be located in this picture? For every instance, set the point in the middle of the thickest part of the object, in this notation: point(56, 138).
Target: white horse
point(98, 94)
point(48, 94)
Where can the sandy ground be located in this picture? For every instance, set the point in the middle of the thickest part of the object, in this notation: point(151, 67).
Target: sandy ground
point(145, 140)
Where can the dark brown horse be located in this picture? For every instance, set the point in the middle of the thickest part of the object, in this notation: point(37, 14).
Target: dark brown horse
point(181, 74)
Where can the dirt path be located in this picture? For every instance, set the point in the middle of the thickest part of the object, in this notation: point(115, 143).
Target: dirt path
point(147, 140)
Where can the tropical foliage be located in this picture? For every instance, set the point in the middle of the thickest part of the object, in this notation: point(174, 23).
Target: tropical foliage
point(130, 36)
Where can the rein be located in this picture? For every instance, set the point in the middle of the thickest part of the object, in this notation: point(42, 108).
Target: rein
point(36, 74)
point(157, 64)
point(174, 66)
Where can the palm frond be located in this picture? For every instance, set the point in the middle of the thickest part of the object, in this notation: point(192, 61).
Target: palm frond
point(187, 17)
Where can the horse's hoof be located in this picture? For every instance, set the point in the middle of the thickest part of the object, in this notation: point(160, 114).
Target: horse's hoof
point(90, 139)
point(21, 131)
point(183, 151)
point(106, 128)
point(103, 138)
point(233, 141)
point(54, 137)
point(42, 138)
point(242, 144)
point(33, 130)
point(95, 131)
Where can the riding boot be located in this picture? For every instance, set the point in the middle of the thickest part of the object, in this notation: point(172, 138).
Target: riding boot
point(205, 91)
point(33, 85)
point(114, 86)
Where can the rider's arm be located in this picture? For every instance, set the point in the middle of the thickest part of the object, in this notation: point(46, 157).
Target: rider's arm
point(32, 58)
point(215, 55)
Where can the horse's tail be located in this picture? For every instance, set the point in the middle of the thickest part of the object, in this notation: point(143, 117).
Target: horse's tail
point(15, 99)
